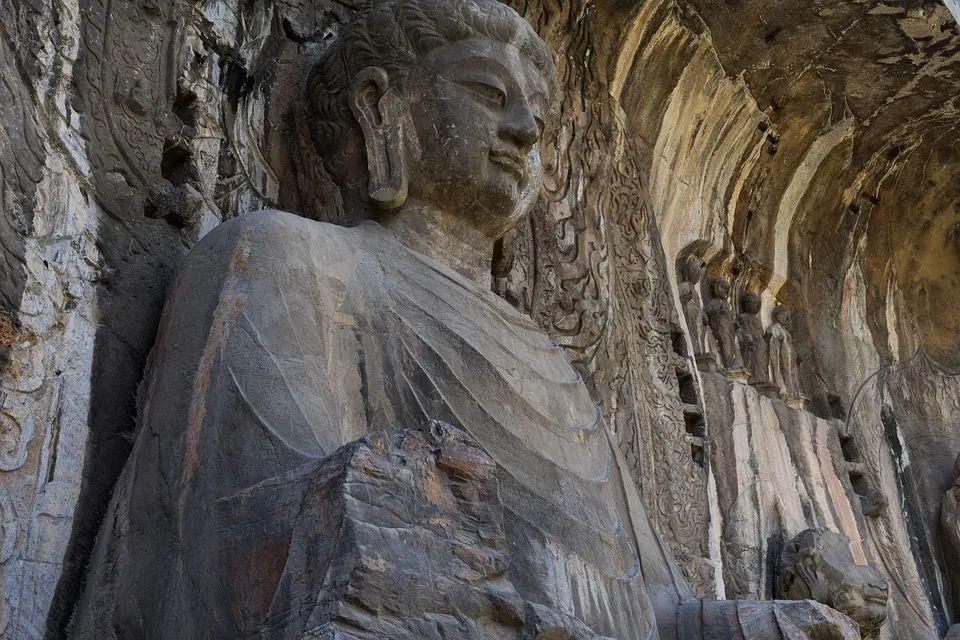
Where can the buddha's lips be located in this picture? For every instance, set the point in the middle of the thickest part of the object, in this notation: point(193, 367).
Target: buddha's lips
point(511, 162)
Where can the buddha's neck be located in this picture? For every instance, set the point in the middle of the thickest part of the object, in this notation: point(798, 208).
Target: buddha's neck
point(446, 238)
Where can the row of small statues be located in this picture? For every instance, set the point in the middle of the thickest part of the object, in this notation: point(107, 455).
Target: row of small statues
point(737, 343)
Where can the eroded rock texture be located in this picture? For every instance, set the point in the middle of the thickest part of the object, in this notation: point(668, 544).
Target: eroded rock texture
point(399, 535)
point(804, 150)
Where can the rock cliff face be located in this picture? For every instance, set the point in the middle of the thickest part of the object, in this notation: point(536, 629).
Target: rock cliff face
point(804, 150)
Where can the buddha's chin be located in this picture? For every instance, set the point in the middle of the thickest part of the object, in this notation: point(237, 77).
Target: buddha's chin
point(874, 613)
point(495, 224)
point(502, 205)
point(869, 612)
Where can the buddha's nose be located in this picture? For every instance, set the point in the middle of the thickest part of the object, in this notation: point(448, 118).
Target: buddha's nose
point(521, 127)
point(876, 584)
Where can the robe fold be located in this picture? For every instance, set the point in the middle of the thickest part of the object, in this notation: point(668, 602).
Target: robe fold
point(284, 339)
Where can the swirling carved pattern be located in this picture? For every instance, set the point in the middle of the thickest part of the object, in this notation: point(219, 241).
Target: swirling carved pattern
point(641, 366)
point(568, 277)
point(126, 87)
point(22, 153)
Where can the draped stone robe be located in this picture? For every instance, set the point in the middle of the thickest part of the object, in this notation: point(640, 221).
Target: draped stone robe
point(284, 339)
point(783, 359)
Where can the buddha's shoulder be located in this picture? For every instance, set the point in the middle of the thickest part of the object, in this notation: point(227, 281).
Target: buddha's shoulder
point(282, 240)
point(279, 230)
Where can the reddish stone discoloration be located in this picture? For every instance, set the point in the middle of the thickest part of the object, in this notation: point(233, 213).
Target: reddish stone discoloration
point(230, 306)
point(465, 460)
point(9, 331)
point(257, 570)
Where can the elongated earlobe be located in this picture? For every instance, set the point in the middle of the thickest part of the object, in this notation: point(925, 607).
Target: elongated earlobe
point(379, 112)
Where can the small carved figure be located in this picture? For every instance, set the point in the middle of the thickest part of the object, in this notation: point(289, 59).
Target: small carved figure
point(690, 273)
point(723, 323)
point(753, 343)
point(950, 534)
point(783, 357)
point(817, 565)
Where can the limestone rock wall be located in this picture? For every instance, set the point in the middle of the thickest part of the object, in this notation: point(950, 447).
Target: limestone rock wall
point(782, 470)
point(804, 149)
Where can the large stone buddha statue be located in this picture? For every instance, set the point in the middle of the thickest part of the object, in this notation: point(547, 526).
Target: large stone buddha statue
point(285, 339)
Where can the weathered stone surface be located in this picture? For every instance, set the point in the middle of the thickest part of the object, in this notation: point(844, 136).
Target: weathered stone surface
point(950, 536)
point(779, 472)
point(904, 424)
point(733, 620)
point(782, 143)
point(399, 535)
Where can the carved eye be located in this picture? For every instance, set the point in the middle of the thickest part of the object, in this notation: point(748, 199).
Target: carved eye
point(488, 93)
point(539, 122)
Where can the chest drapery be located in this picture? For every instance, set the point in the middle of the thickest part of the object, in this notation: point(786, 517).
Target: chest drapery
point(285, 339)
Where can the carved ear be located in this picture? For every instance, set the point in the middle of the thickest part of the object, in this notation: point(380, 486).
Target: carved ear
point(379, 112)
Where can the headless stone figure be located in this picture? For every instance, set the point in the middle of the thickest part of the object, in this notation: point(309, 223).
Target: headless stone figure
point(784, 372)
point(723, 325)
point(752, 341)
point(281, 485)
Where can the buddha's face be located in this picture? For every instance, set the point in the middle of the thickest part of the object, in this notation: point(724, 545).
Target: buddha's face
point(721, 288)
point(860, 592)
point(782, 316)
point(477, 109)
point(691, 271)
point(750, 303)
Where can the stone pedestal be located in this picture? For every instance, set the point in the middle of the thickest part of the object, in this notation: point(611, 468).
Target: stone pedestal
point(767, 389)
point(796, 401)
point(708, 363)
point(737, 375)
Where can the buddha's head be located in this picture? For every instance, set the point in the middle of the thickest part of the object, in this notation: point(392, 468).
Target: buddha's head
point(438, 103)
point(818, 565)
point(782, 315)
point(750, 303)
point(690, 270)
point(719, 288)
